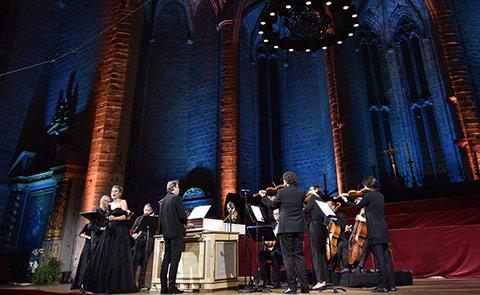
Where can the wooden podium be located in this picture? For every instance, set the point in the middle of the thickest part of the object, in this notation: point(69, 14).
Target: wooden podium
point(209, 261)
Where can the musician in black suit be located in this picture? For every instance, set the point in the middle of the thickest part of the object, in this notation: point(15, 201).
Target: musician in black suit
point(273, 253)
point(141, 251)
point(318, 236)
point(377, 234)
point(290, 230)
point(173, 222)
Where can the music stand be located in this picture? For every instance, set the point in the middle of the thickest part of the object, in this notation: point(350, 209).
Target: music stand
point(259, 233)
point(149, 224)
point(245, 289)
point(329, 213)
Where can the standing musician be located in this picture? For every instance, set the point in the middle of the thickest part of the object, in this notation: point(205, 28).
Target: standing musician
point(290, 230)
point(272, 252)
point(141, 251)
point(173, 221)
point(318, 236)
point(377, 236)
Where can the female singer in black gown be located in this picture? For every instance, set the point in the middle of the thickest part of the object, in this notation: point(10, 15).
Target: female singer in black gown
point(111, 270)
point(91, 232)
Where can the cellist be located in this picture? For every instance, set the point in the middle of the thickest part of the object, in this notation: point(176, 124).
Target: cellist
point(373, 201)
point(318, 236)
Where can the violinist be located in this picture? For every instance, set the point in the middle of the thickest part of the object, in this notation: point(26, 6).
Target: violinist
point(318, 236)
point(272, 252)
point(377, 236)
point(290, 230)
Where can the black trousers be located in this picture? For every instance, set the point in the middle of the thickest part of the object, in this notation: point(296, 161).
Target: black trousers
point(276, 257)
point(318, 239)
point(366, 250)
point(385, 265)
point(294, 260)
point(342, 253)
point(139, 258)
point(171, 257)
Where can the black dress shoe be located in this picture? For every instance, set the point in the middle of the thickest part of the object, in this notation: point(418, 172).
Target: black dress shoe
point(175, 291)
point(164, 291)
point(269, 286)
point(289, 291)
point(305, 290)
point(320, 289)
point(380, 290)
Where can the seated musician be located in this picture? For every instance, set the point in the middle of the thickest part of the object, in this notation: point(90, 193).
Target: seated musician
point(342, 252)
point(271, 252)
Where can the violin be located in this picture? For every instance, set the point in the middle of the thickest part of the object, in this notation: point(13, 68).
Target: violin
point(355, 194)
point(271, 191)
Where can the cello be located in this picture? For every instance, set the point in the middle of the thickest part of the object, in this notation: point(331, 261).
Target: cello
point(357, 240)
point(358, 236)
point(334, 231)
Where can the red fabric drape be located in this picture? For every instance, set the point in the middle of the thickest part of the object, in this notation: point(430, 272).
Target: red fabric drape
point(438, 251)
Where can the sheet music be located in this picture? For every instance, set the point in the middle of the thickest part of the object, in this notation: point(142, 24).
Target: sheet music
point(258, 213)
point(199, 212)
point(326, 209)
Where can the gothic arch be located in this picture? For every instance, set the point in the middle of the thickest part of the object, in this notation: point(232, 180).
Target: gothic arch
point(399, 15)
point(162, 4)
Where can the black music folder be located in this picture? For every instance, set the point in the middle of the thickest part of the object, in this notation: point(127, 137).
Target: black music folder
point(94, 217)
point(261, 233)
point(148, 221)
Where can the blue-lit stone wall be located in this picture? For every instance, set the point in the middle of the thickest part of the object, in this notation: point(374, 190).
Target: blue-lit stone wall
point(307, 145)
point(249, 170)
point(177, 108)
point(359, 125)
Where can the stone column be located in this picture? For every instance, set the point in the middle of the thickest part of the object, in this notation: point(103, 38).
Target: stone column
point(112, 104)
point(229, 129)
point(113, 101)
point(337, 99)
point(457, 75)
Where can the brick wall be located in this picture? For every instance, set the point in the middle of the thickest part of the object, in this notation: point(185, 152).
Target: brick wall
point(466, 12)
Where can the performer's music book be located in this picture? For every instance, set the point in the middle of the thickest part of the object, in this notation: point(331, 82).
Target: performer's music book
point(261, 233)
point(148, 221)
point(94, 217)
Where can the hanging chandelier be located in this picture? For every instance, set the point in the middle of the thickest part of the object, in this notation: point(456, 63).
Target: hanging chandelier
point(306, 25)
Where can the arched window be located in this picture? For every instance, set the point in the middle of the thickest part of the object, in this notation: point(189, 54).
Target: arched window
point(379, 109)
point(269, 104)
point(421, 103)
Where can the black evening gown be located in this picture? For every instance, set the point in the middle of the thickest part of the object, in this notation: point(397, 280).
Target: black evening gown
point(84, 257)
point(110, 270)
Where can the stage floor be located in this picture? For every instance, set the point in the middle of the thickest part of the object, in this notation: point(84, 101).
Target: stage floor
point(420, 286)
